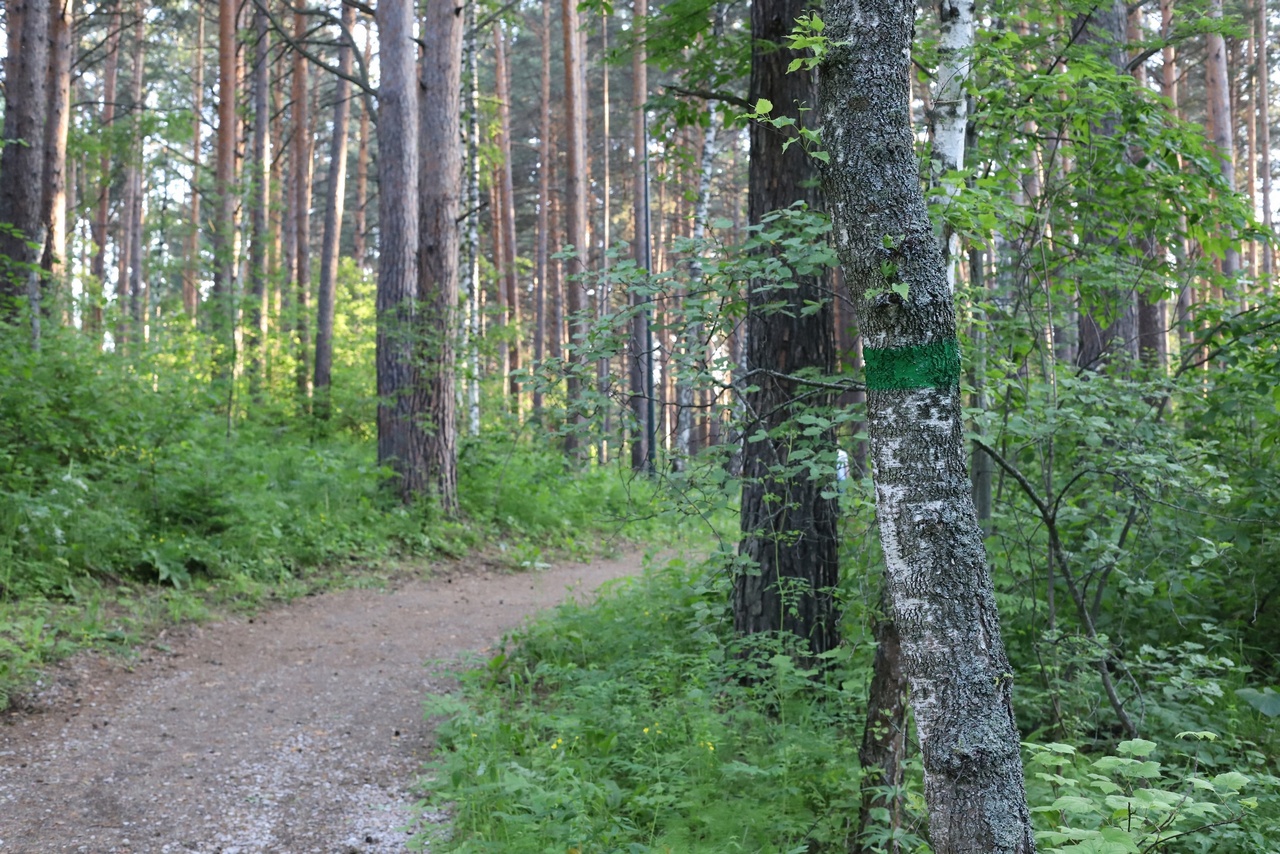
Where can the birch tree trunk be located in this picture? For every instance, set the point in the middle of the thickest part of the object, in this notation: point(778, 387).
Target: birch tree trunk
point(400, 404)
point(335, 197)
point(440, 188)
point(21, 163)
point(789, 531)
point(939, 586)
point(473, 222)
point(129, 288)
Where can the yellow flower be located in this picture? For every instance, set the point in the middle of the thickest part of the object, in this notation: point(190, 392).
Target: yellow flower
point(473, 735)
point(646, 730)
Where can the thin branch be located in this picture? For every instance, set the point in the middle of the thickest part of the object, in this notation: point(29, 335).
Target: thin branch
point(712, 95)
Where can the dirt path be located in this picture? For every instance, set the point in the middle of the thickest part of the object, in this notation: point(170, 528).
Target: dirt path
point(297, 731)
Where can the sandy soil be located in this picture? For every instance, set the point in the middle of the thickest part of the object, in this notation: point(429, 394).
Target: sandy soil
point(299, 730)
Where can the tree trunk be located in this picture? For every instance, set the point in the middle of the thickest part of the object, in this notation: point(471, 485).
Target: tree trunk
point(260, 201)
point(473, 223)
point(640, 380)
point(440, 191)
point(54, 209)
point(575, 208)
point(129, 288)
point(98, 266)
point(191, 271)
point(509, 278)
point(789, 531)
point(545, 153)
point(1261, 72)
point(362, 175)
point(883, 752)
point(1218, 99)
point(25, 104)
point(223, 307)
point(942, 598)
point(400, 399)
point(335, 197)
point(603, 288)
point(302, 212)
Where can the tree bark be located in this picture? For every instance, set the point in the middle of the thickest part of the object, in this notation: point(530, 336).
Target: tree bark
point(440, 188)
point(545, 153)
point(259, 203)
point(360, 220)
point(509, 279)
point(25, 106)
point(640, 380)
point(335, 197)
point(941, 593)
point(224, 174)
point(473, 223)
point(575, 208)
point(54, 210)
point(98, 265)
point(401, 407)
point(191, 271)
point(129, 289)
point(1218, 98)
point(1261, 72)
point(302, 213)
point(788, 527)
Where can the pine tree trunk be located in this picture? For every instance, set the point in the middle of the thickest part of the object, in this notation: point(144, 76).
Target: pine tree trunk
point(335, 197)
point(259, 202)
point(54, 207)
point(221, 297)
point(401, 407)
point(603, 288)
point(129, 288)
point(440, 191)
point(508, 279)
point(359, 219)
point(191, 270)
point(98, 265)
point(26, 103)
point(545, 153)
point(640, 381)
point(1218, 98)
point(789, 531)
point(575, 208)
point(302, 134)
point(940, 589)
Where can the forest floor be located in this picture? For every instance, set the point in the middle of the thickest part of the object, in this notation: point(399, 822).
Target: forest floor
point(298, 729)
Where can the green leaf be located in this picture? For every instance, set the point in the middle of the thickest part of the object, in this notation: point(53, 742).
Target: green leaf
point(1136, 747)
point(763, 107)
point(1266, 701)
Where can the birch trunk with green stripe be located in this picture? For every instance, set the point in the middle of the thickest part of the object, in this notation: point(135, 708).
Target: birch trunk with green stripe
point(936, 567)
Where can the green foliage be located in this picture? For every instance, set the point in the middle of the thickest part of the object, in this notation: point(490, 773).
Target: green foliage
point(637, 725)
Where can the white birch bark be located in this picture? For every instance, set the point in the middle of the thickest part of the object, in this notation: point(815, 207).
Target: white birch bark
point(950, 112)
point(940, 588)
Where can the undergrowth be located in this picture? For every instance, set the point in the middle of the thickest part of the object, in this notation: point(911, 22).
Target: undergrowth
point(638, 724)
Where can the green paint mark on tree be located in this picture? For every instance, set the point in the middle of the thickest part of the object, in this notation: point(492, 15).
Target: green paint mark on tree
point(932, 365)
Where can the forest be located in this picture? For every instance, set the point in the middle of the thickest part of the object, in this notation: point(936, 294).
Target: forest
point(928, 353)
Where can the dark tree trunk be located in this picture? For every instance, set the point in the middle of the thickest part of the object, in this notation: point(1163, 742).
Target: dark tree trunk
point(936, 571)
point(335, 196)
point(641, 453)
point(191, 271)
point(224, 261)
point(440, 191)
point(788, 527)
point(545, 153)
point(302, 214)
point(400, 398)
point(26, 101)
point(359, 217)
point(882, 754)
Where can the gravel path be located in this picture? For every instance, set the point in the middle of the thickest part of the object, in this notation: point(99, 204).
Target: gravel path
point(297, 731)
